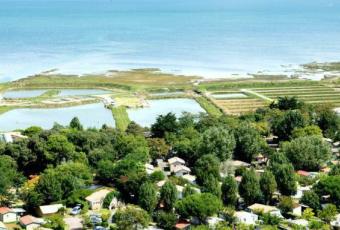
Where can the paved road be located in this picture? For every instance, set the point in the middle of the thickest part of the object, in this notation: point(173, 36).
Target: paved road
point(74, 223)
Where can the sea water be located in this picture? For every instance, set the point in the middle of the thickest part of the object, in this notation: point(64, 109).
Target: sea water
point(203, 37)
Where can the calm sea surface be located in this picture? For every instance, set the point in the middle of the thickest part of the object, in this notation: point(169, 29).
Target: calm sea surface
point(205, 37)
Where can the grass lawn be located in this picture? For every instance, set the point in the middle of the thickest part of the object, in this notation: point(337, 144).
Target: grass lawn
point(121, 117)
point(209, 106)
point(4, 109)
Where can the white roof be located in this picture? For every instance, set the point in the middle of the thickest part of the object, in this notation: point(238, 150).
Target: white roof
point(262, 207)
point(50, 209)
point(242, 214)
point(179, 168)
point(300, 222)
point(160, 183)
point(98, 196)
point(179, 188)
point(176, 159)
point(237, 163)
point(189, 177)
point(2, 225)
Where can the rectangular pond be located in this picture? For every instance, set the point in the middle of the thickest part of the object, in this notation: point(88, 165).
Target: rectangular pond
point(16, 94)
point(92, 115)
point(147, 116)
point(82, 92)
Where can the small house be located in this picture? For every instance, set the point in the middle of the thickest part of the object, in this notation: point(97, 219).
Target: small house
point(336, 222)
point(213, 221)
point(149, 168)
point(297, 210)
point(46, 210)
point(182, 225)
point(190, 178)
point(303, 173)
point(175, 161)
point(2, 226)
point(299, 222)
point(180, 170)
point(246, 217)
point(272, 210)
point(7, 215)
point(300, 191)
point(30, 222)
point(96, 199)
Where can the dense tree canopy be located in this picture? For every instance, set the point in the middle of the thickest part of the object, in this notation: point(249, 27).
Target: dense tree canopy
point(268, 185)
point(131, 217)
point(249, 188)
point(284, 125)
point(307, 153)
point(229, 191)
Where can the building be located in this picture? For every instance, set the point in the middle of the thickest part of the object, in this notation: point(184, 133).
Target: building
point(10, 137)
point(336, 222)
point(297, 210)
point(182, 225)
point(7, 215)
point(2, 226)
point(256, 208)
point(175, 161)
point(96, 199)
point(190, 178)
point(246, 217)
point(30, 222)
point(212, 221)
point(300, 191)
point(180, 170)
point(149, 168)
point(180, 190)
point(46, 210)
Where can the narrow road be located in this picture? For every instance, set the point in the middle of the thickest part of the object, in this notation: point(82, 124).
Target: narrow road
point(256, 94)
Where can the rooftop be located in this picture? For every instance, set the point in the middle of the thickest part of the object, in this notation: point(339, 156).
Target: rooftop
point(4, 210)
point(50, 209)
point(98, 195)
point(176, 159)
point(262, 207)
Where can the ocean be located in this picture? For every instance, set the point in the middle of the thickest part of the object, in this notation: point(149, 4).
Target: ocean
point(210, 38)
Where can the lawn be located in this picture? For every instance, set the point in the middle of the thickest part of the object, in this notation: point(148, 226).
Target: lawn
point(209, 106)
point(121, 117)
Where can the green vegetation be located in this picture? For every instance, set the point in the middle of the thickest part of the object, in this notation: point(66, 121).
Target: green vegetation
point(208, 106)
point(328, 66)
point(4, 109)
point(121, 117)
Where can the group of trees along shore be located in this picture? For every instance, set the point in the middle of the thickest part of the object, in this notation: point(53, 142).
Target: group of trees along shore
point(68, 159)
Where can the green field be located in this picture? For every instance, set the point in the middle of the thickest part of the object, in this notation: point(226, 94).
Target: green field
point(209, 106)
point(121, 117)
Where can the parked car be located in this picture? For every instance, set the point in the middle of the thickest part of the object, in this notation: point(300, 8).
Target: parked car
point(76, 210)
point(99, 228)
point(95, 219)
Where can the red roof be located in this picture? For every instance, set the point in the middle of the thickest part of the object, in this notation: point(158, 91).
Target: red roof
point(27, 220)
point(302, 173)
point(4, 210)
point(182, 224)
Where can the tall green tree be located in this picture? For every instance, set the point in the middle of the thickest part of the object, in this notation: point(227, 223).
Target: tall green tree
point(307, 153)
point(147, 197)
point(8, 177)
point(168, 195)
point(131, 217)
point(268, 185)
point(206, 166)
point(229, 191)
point(249, 142)
point(75, 124)
point(200, 205)
point(285, 178)
point(311, 199)
point(218, 141)
point(165, 124)
point(212, 185)
point(249, 188)
point(284, 125)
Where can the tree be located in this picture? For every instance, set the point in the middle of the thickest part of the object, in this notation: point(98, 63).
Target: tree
point(108, 199)
point(229, 191)
point(268, 185)
point(308, 214)
point(218, 141)
point(8, 177)
point(75, 124)
point(158, 148)
point(287, 103)
point(329, 186)
point(328, 213)
point(31, 131)
point(147, 197)
point(59, 149)
point(206, 166)
point(55, 222)
point(164, 124)
point(248, 142)
point(249, 188)
point(131, 217)
point(311, 199)
point(286, 204)
point(327, 120)
point(212, 185)
point(284, 174)
point(200, 205)
point(128, 176)
point(335, 171)
point(311, 130)
point(166, 220)
point(284, 125)
point(307, 153)
point(105, 171)
point(168, 195)
point(134, 129)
